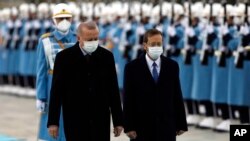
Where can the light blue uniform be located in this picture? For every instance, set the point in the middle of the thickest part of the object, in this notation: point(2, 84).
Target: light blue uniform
point(104, 29)
point(178, 40)
point(37, 32)
point(165, 24)
point(238, 93)
point(47, 49)
point(25, 54)
point(132, 38)
point(186, 71)
point(15, 47)
point(3, 50)
point(219, 90)
point(116, 35)
point(9, 30)
point(202, 75)
point(246, 81)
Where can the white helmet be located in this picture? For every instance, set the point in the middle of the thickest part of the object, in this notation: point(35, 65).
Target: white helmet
point(178, 9)
point(14, 11)
point(147, 9)
point(206, 11)
point(24, 8)
point(99, 8)
point(248, 13)
point(43, 10)
point(62, 10)
point(135, 8)
point(166, 9)
point(43, 7)
point(231, 10)
point(6, 13)
point(241, 9)
point(32, 8)
point(87, 9)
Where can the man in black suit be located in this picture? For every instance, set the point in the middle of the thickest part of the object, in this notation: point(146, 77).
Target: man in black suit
point(85, 86)
point(153, 104)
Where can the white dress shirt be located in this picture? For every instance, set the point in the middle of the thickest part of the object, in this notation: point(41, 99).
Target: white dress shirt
point(150, 64)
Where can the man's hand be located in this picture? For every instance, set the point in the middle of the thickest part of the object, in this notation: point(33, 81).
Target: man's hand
point(117, 131)
point(132, 134)
point(53, 131)
point(178, 133)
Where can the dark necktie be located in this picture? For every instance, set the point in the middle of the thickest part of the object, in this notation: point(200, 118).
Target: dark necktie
point(155, 73)
point(87, 58)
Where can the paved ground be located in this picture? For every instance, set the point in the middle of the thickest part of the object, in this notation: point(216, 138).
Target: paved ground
point(19, 119)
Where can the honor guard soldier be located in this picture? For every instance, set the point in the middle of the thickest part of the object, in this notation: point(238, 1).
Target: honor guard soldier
point(230, 42)
point(238, 96)
point(4, 50)
point(49, 45)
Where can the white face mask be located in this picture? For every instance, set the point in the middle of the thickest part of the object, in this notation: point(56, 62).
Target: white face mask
point(90, 46)
point(219, 20)
point(63, 26)
point(123, 20)
point(237, 20)
point(155, 52)
point(184, 22)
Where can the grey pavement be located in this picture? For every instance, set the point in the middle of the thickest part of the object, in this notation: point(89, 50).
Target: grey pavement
point(19, 119)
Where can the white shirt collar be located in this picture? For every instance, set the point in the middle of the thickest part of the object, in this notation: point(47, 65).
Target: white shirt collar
point(150, 62)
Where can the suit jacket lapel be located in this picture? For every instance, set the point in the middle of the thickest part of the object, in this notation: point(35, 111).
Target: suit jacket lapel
point(163, 71)
point(145, 70)
point(78, 52)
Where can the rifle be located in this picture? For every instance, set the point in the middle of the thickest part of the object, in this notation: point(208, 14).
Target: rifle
point(239, 56)
point(205, 53)
point(172, 51)
point(221, 56)
point(187, 52)
point(172, 12)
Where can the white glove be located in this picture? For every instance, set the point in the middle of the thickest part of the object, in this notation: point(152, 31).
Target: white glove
point(127, 27)
point(16, 37)
point(190, 32)
point(240, 49)
point(244, 30)
point(116, 40)
point(41, 106)
point(224, 30)
point(140, 30)
point(159, 28)
point(222, 49)
point(168, 47)
point(47, 24)
point(210, 29)
point(171, 31)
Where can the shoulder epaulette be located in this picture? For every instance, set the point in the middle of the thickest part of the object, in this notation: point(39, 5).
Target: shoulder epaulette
point(45, 35)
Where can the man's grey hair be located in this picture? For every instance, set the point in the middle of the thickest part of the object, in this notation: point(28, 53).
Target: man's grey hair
point(91, 25)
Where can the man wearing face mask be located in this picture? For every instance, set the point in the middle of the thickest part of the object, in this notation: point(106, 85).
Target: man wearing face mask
point(153, 104)
point(85, 86)
point(49, 45)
